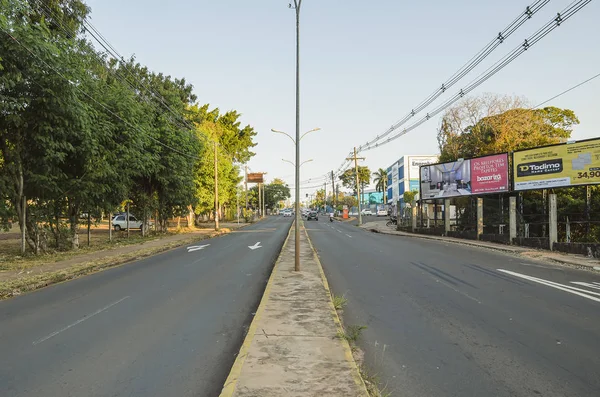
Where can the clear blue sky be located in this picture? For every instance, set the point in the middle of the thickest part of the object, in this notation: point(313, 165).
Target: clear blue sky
point(364, 65)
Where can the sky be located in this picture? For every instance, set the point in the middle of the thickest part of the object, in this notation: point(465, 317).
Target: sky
point(363, 66)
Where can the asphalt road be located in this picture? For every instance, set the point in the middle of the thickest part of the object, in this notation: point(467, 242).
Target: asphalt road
point(451, 320)
point(168, 325)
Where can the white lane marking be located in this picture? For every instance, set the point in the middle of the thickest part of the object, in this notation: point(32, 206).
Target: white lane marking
point(552, 284)
point(196, 247)
point(255, 246)
point(339, 230)
point(589, 285)
point(349, 235)
point(45, 338)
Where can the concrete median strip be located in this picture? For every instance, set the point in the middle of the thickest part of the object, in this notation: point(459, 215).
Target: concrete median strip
point(292, 346)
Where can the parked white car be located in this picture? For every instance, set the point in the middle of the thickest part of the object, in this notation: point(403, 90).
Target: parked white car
point(366, 211)
point(287, 213)
point(382, 212)
point(119, 222)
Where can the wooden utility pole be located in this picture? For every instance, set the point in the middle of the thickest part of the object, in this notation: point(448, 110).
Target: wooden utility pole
point(264, 204)
point(127, 219)
point(334, 201)
point(216, 190)
point(325, 196)
point(259, 203)
point(355, 159)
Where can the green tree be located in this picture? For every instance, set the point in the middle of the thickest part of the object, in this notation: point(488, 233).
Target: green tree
point(275, 192)
point(380, 180)
point(348, 177)
point(495, 124)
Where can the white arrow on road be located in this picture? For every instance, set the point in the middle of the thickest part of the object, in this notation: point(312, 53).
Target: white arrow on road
point(255, 246)
point(197, 247)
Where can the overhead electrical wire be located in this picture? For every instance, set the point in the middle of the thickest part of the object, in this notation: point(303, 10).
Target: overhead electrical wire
point(465, 69)
point(571, 10)
point(94, 100)
point(566, 91)
point(141, 86)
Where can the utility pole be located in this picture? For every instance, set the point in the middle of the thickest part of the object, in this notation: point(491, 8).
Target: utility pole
point(325, 196)
point(259, 203)
point(264, 212)
point(334, 201)
point(357, 184)
point(216, 191)
point(246, 186)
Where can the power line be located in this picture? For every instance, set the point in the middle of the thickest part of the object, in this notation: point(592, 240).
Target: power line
point(567, 90)
point(93, 99)
point(465, 69)
point(571, 10)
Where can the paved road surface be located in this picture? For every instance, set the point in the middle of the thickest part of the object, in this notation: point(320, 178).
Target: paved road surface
point(443, 320)
point(169, 325)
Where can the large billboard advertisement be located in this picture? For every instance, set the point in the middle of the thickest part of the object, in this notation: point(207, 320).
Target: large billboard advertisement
point(415, 162)
point(562, 165)
point(481, 175)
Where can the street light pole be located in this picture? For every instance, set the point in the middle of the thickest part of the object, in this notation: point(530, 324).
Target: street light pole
point(297, 3)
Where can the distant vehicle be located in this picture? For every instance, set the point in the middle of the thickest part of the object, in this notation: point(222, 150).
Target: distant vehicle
point(382, 212)
point(287, 213)
point(119, 222)
point(366, 211)
point(312, 215)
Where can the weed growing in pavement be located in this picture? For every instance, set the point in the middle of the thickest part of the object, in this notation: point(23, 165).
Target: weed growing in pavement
point(339, 301)
point(351, 333)
point(373, 383)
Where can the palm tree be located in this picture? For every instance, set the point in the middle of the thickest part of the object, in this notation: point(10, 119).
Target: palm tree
point(380, 180)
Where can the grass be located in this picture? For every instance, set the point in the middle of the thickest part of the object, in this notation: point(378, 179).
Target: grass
point(373, 383)
point(339, 302)
point(352, 333)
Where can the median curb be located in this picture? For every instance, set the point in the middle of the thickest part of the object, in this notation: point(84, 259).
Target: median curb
point(292, 346)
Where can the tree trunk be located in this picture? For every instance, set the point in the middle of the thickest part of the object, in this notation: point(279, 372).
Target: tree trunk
point(110, 226)
point(89, 230)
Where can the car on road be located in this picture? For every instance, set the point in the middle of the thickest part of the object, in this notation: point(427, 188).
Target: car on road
point(119, 222)
point(382, 212)
point(366, 211)
point(287, 213)
point(312, 215)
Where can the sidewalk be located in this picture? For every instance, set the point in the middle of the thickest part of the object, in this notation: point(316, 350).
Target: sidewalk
point(566, 259)
point(292, 348)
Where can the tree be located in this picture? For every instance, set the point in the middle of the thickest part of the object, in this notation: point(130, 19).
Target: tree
point(495, 124)
point(348, 177)
point(380, 180)
point(409, 197)
point(275, 192)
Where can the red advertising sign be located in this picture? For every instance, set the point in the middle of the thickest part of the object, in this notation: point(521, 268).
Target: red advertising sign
point(489, 174)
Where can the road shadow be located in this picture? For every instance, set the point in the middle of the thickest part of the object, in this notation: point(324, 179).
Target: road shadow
point(442, 274)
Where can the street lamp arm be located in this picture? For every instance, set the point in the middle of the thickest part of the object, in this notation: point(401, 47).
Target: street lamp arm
point(308, 132)
point(288, 161)
point(284, 133)
point(304, 162)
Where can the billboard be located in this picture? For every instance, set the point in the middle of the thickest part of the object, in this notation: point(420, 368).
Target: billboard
point(481, 175)
point(255, 177)
point(561, 165)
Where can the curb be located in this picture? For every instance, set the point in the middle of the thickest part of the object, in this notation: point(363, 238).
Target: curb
point(236, 368)
point(347, 351)
point(499, 248)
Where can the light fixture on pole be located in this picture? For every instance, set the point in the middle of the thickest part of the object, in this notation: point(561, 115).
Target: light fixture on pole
point(297, 164)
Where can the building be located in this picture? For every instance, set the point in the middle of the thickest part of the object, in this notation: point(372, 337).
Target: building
point(403, 176)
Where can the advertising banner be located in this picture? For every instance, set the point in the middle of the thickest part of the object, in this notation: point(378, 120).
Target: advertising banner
point(255, 177)
point(481, 175)
point(563, 165)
